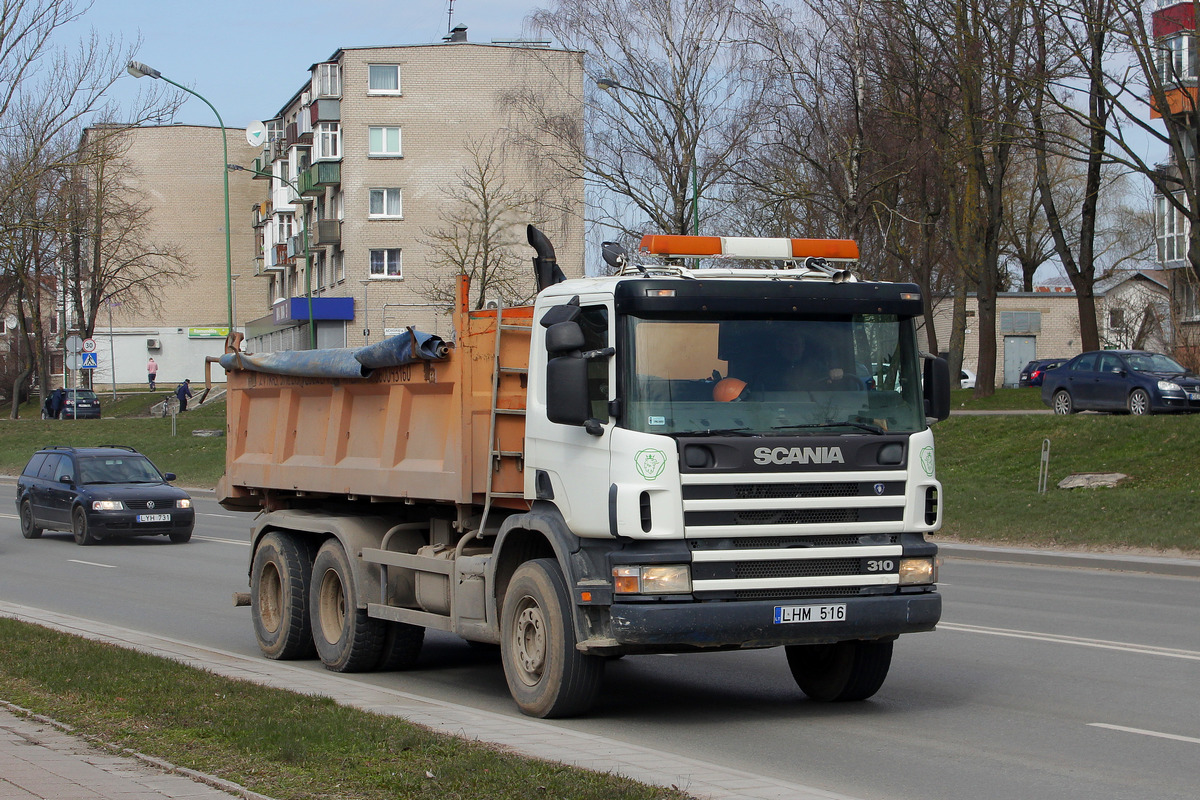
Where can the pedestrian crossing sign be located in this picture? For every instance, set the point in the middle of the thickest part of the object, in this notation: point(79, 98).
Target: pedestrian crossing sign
point(87, 361)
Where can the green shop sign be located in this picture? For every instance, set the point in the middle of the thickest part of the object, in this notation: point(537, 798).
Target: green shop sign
point(207, 333)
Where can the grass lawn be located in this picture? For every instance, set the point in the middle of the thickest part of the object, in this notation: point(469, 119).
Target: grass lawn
point(292, 746)
point(989, 466)
point(198, 461)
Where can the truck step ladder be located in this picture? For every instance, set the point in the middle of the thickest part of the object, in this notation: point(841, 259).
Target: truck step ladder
point(496, 455)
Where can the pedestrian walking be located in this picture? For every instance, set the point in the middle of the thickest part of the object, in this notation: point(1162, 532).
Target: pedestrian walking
point(183, 393)
point(151, 371)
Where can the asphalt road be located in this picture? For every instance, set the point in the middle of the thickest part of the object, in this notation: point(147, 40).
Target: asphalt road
point(1040, 683)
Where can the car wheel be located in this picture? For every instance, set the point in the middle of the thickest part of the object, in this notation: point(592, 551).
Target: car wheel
point(181, 537)
point(1139, 402)
point(28, 529)
point(79, 527)
point(1063, 404)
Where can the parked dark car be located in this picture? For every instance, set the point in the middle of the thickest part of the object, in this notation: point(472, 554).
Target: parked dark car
point(101, 493)
point(1032, 373)
point(1135, 381)
point(86, 400)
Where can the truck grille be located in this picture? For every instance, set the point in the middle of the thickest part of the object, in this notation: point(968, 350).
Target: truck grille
point(777, 536)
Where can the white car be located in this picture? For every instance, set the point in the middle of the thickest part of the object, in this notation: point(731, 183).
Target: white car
point(966, 379)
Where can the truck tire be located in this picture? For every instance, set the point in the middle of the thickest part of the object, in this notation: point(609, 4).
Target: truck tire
point(28, 529)
point(279, 580)
point(546, 674)
point(347, 639)
point(401, 646)
point(840, 672)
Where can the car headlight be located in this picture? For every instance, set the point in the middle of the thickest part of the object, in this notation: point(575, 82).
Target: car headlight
point(184, 503)
point(1169, 386)
point(107, 505)
point(669, 579)
point(914, 571)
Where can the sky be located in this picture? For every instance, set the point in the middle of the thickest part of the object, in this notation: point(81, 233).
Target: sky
point(248, 58)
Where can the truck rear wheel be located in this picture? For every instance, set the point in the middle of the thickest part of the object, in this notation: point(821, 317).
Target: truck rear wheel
point(279, 582)
point(401, 646)
point(347, 639)
point(546, 674)
point(842, 671)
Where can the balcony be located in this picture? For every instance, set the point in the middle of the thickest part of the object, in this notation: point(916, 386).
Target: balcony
point(328, 232)
point(313, 180)
point(325, 111)
point(261, 213)
point(262, 164)
point(279, 256)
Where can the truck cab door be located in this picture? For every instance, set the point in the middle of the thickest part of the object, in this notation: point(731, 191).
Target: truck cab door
point(567, 463)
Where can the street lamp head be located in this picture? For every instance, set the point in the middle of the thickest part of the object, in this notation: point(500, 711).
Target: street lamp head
point(608, 84)
point(139, 70)
point(235, 168)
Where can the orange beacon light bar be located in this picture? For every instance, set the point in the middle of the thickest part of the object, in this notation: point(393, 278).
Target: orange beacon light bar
point(748, 247)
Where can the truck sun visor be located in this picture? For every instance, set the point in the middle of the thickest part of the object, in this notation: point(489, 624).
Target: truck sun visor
point(407, 348)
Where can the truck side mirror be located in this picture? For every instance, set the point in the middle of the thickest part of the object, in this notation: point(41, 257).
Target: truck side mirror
point(563, 337)
point(937, 388)
point(567, 390)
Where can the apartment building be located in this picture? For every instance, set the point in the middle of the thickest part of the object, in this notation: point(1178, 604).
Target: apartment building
point(1174, 29)
point(165, 190)
point(378, 175)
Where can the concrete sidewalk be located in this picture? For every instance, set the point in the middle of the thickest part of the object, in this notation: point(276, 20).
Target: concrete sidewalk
point(38, 759)
point(527, 736)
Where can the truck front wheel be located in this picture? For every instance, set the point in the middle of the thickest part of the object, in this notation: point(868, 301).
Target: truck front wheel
point(842, 671)
point(546, 674)
point(347, 639)
point(279, 581)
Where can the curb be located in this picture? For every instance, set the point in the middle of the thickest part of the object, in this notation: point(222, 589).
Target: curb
point(1151, 565)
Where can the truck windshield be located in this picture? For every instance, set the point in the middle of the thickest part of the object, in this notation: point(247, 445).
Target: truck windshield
point(773, 376)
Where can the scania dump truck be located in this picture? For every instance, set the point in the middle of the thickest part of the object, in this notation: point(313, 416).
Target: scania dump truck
point(723, 445)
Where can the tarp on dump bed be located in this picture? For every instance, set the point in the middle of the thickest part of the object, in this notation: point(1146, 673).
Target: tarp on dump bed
point(343, 362)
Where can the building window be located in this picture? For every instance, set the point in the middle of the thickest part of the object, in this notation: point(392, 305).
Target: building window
point(327, 140)
point(1187, 297)
point(385, 204)
point(319, 269)
point(284, 223)
point(337, 265)
point(383, 79)
point(384, 141)
point(386, 263)
point(274, 129)
point(1172, 228)
point(328, 80)
point(1116, 319)
point(1020, 322)
point(1177, 58)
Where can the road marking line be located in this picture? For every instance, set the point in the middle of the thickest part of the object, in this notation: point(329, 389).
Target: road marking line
point(92, 563)
point(9, 516)
point(222, 541)
point(222, 516)
point(1158, 734)
point(1143, 649)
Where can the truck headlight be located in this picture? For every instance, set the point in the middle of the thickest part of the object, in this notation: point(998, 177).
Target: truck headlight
point(106, 505)
point(914, 571)
point(670, 579)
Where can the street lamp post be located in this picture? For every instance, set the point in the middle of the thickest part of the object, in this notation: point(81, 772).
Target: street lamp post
point(312, 328)
point(611, 84)
point(366, 319)
point(140, 70)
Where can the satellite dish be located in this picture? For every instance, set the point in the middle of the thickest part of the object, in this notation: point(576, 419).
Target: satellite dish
point(256, 134)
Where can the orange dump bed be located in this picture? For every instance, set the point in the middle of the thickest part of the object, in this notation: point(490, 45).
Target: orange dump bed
point(418, 431)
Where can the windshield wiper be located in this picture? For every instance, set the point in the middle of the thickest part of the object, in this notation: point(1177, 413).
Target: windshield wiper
point(718, 432)
point(864, 426)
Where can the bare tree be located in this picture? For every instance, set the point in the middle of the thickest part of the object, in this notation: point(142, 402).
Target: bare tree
point(665, 133)
point(482, 231)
